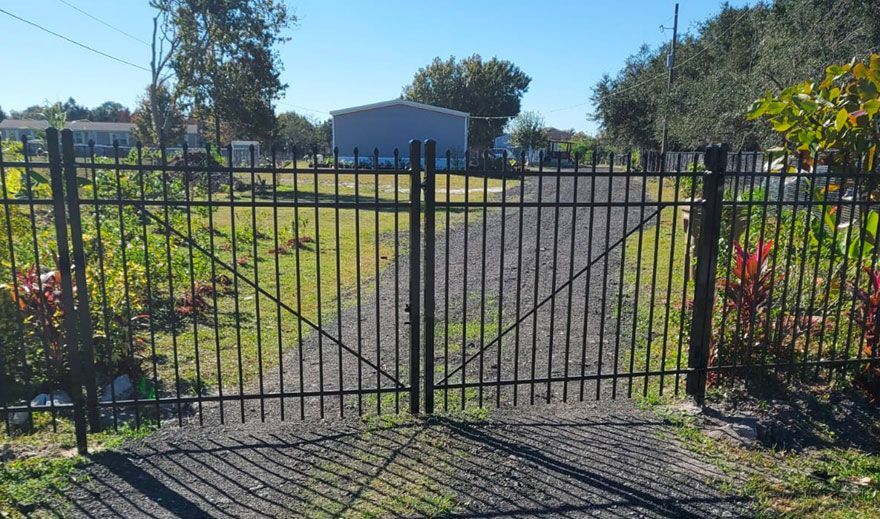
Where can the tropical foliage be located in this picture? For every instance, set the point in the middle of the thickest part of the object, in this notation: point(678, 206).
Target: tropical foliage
point(787, 301)
point(841, 112)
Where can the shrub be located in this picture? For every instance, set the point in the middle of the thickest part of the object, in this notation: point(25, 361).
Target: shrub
point(748, 340)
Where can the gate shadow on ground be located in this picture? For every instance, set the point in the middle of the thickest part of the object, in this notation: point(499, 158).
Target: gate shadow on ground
point(522, 465)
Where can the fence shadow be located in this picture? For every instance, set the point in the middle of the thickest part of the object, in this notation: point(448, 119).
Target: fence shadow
point(797, 417)
point(526, 464)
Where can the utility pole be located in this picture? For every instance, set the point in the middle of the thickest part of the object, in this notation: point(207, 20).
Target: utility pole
point(670, 64)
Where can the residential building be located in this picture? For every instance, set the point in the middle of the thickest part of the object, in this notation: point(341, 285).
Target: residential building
point(102, 134)
point(16, 129)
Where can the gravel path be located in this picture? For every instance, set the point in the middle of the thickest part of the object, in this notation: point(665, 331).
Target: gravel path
point(571, 460)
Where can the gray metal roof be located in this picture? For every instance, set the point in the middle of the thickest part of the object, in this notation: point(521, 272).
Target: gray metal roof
point(41, 124)
point(23, 124)
point(99, 127)
point(395, 102)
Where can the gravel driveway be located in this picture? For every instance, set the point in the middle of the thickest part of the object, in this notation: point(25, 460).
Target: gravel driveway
point(574, 333)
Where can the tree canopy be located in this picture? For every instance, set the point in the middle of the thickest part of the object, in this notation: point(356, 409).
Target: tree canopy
point(172, 122)
point(528, 131)
point(110, 112)
point(491, 88)
point(220, 58)
point(303, 132)
point(841, 112)
point(732, 58)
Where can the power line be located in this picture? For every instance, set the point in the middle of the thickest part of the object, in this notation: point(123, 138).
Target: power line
point(491, 116)
point(102, 22)
point(78, 44)
point(664, 74)
point(302, 107)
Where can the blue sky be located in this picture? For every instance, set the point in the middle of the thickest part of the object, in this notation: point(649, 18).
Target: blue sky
point(350, 52)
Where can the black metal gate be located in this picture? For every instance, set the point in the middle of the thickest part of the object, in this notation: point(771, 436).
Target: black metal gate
point(547, 292)
point(155, 286)
point(194, 289)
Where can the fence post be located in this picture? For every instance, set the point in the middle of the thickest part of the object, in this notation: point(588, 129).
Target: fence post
point(69, 325)
point(430, 303)
point(83, 310)
point(415, 263)
point(704, 280)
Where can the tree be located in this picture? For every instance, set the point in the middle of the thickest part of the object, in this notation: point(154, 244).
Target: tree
point(31, 112)
point(626, 113)
point(74, 111)
point(223, 58)
point(325, 133)
point(490, 88)
point(528, 131)
point(731, 59)
point(841, 112)
point(111, 112)
point(303, 132)
point(55, 114)
point(2, 114)
point(583, 145)
point(172, 128)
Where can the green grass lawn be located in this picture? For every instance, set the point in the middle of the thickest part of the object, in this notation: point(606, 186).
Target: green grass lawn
point(660, 342)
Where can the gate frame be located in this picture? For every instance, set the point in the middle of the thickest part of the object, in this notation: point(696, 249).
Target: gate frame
point(429, 186)
point(72, 340)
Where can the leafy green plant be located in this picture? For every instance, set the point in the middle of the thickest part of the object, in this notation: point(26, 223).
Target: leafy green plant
point(38, 297)
point(841, 112)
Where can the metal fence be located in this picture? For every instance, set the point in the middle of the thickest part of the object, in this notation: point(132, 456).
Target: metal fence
point(142, 289)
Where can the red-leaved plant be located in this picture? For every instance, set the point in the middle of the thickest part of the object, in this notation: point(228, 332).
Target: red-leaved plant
point(39, 300)
point(748, 292)
point(867, 318)
point(747, 296)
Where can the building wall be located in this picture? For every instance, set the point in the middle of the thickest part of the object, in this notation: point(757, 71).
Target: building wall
point(394, 126)
point(15, 134)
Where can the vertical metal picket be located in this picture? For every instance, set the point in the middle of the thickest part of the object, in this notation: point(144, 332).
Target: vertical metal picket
point(430, 243)
point(415, 263)
point(704, 282)
point(83, 310)
point(69, 323)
